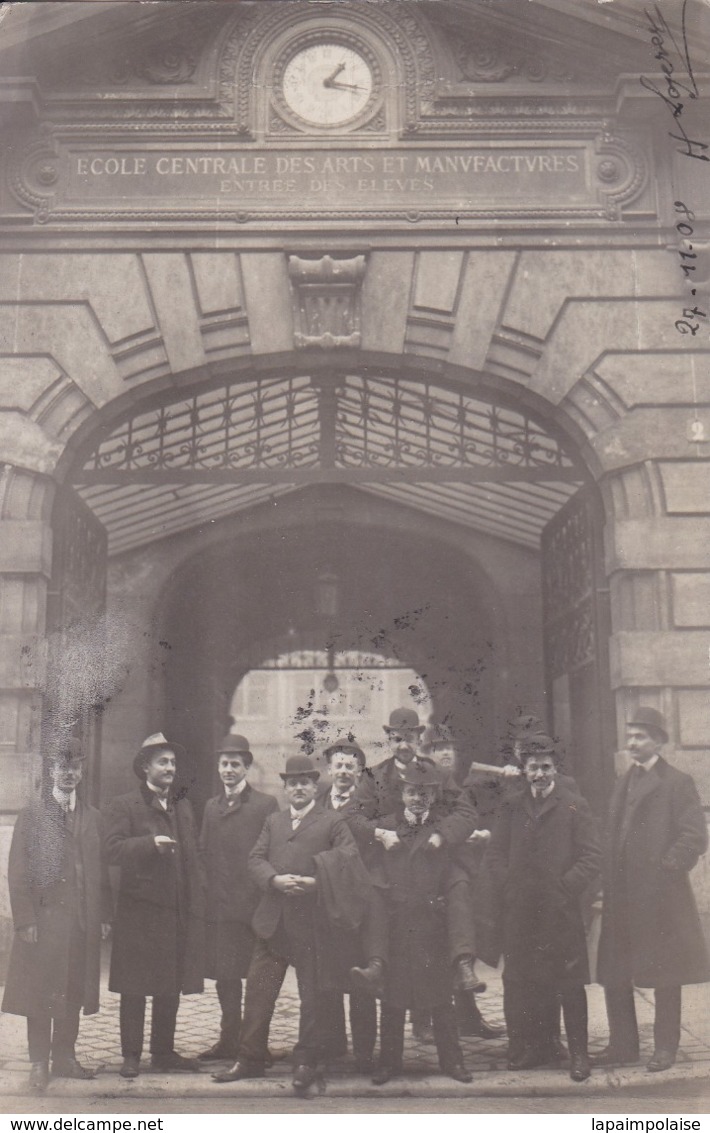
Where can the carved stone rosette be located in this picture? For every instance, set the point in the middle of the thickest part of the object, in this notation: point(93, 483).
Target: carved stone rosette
point(326, 301)
point(621, 172)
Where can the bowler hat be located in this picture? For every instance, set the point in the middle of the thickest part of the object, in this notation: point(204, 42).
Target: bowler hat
point(537, 744)
point(153, 743)
point(299, 765)
point(67, 750)
point(234, 744)
point(421, 773)
point(404, 719)
point(348, 747)
point(647, 717)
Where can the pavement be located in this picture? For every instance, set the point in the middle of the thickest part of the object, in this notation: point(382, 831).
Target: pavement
point(198, 1024)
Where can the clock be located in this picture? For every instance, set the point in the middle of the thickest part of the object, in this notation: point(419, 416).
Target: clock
point(327, 84)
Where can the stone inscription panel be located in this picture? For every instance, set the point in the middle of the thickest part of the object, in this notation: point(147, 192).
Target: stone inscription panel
point(520, 178)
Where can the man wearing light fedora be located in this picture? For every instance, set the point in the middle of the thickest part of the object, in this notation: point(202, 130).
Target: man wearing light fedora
point(289, 923)
point(379, 793)
point(61, 907)
point(231, 824)
point(651, 934)
point(158, 945)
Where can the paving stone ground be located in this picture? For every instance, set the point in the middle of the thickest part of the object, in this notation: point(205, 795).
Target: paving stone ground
point(198, 1023)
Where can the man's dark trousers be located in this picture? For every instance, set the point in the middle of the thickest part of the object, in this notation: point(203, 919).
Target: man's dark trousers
point(623, 1027)
point(162, 1025)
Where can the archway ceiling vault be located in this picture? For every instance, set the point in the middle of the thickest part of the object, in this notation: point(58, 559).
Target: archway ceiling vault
point(215, 452)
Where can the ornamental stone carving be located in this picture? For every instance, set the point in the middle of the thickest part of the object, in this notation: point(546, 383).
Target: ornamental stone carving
point(326, 293)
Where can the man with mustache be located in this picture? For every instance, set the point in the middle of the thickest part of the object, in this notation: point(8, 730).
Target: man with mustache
point(379, 793)
point(158, 945)
point(289, 924)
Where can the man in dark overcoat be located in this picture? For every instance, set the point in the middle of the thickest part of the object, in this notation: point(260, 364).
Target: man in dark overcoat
point(346, 761)
point(284, 865)
point(158, 947)
point(419, 876)
point(231, 824)
point(61, 908)
point(651, 934)
point(543, 854)
point(379, 793)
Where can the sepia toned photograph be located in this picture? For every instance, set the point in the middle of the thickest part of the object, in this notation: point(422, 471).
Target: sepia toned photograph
point(355, 557)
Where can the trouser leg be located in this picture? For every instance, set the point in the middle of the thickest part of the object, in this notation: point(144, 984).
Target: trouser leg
point(264, 980)
point(374, 933)
point(574, 1009)
point(621, 1013)
point(460, 924)
point(443, 1018)
point(666, 1023)
point(162, 1023)
point(132, 1022)
point(335, 1039)
point(229, 994)
point(64, 1033)
point(392, 1036)
point(514, 1012)
point(363, 1025)
point(39, 1037)
point(313, 1018)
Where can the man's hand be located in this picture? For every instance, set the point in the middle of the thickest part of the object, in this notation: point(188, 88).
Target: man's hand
point(436, 840)
point(164, 845)
point(105, 931)
point(479, 836)
point(511, 771)
point(288, 883)
point(28, 935)
point(388, 838)
point(308, 884)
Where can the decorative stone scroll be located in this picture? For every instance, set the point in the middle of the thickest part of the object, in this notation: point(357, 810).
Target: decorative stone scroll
point(326, 294)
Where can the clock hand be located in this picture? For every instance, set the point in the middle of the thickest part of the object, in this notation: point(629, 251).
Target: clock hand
point(330, 81)
point(345, 86)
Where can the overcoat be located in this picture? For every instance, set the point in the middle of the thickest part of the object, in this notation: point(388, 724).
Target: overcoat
point(541, 860)
point(418, 876)
point(229, 830)
point(41, 894)
point(158, 939)
point(651, 933)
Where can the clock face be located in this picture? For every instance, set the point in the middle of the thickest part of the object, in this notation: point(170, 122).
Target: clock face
point(327, 84)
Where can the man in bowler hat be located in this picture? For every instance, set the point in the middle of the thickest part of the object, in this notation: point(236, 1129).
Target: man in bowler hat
point(158, 947)
point(287, 924)
point(231, 824)
point(651, 934)
point(61, 907)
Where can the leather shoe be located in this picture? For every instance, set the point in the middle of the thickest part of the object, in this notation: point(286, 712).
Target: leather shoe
point(303, 1077)
point(169, 1063)
point(70, 1068)
point(661, 1060)
point(238, 1071)
point(480, 1029)
point(458, 1072)
point(611, 1056)
point(528, 1059)
point(465, 978)
point(39, 1077)
point(131, 1066)
point(220, 1052)
point(579, 1068)
point(383, 1074)
point(370, 979)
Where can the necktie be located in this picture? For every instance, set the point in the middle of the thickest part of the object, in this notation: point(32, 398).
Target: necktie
point(340, 800)
point(296, 822)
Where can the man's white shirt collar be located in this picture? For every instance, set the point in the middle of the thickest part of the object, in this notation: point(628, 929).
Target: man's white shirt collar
point(341, 796)
point(235, 790)
point(648, 764)
point(162, 796)
point(66, 802)
point(546, 793)
point(415, 819)
point(301, 814)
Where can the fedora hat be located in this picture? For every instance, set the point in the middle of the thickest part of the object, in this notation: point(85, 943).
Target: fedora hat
point(421, 773)
point(647, 717)
point(151, 744)
point(66, 750)
point(404, 719)
point(348, 747)
point(299, 765)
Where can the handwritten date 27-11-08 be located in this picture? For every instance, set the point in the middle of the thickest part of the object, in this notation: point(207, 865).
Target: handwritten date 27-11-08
point(685, 230)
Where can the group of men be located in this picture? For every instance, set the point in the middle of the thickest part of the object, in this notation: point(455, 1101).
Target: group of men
point(382, 884)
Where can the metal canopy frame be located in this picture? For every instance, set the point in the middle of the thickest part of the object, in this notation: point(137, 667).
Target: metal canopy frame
point(427, 443)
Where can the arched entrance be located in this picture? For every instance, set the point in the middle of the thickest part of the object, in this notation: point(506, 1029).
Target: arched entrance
point(226, 462)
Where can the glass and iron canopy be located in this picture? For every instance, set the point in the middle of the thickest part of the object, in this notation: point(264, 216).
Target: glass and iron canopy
point(422, 443)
